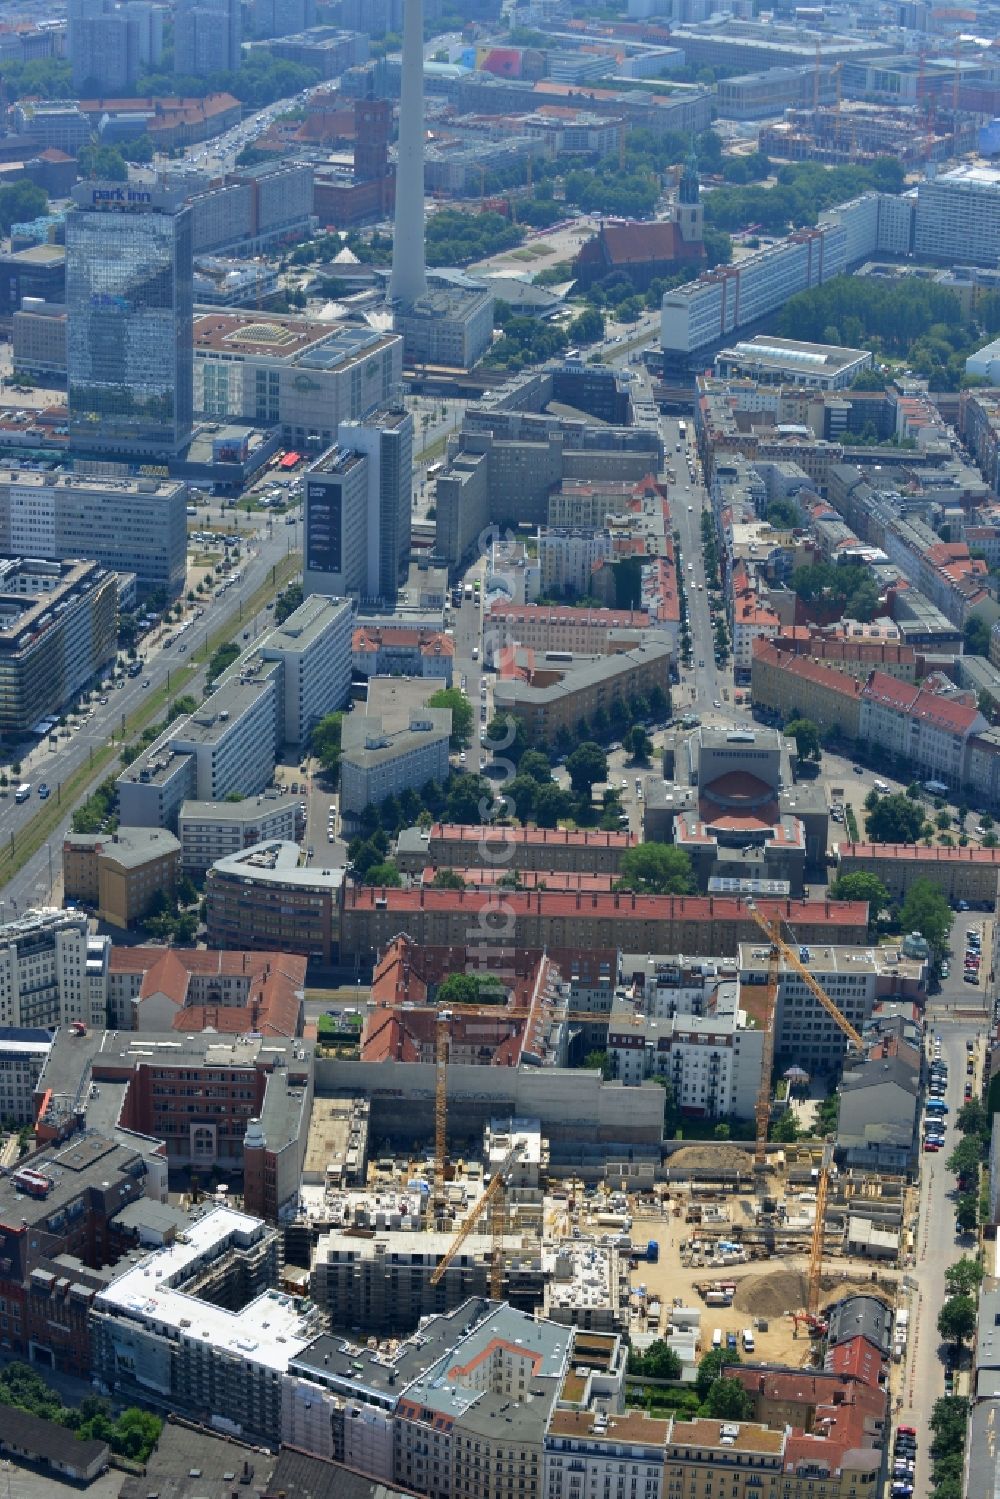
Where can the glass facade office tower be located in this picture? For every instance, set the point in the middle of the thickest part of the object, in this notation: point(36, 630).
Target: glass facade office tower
point(130, 319)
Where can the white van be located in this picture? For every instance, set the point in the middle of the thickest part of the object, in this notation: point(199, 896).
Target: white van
point(717, 1339)
point(747, 1339)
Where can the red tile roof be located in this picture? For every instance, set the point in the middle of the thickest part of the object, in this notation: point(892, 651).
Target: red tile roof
point(271, 1000)
point(858, 1357)
point(918, 854)
point(808, 671)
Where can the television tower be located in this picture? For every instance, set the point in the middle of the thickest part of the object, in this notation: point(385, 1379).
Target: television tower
point(409, 276)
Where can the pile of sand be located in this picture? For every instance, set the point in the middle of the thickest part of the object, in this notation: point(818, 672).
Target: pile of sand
point(711, 1157)
point(781, 1291)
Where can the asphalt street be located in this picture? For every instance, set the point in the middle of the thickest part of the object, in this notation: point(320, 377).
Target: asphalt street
point(33, 883)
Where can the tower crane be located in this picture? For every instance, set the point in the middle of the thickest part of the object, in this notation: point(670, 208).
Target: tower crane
point(763, 1109)
point(491, 1201)
point(440, 1110)
point(772, 930)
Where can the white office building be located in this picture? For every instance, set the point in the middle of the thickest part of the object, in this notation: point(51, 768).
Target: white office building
point(52, 972)
point(958, 215)
point(377, 762)
point(214, 830)
point(313, 646)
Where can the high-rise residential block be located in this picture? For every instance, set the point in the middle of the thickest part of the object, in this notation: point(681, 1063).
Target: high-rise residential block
point(110, 43)
point(207, 37)
point(130, 306)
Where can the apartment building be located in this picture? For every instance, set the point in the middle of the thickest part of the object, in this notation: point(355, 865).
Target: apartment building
point(792, 686)
point(52, 971)
point(713, 925)
point(212, 830)
point(303, 376)
point(566, 559)
point(122, 874)
point(856, 977)
point(226, 1099)
point(958, 215)
point(583, 1447)
point(855, 650)
point(313, 647)
point(920, 729)
point(542, 627)
point(127, 525)
point(458, 1408)
point(712, 1059)
point(391, 650)
point(968, 874)
point(58, 1203)
point(189, 989)
point(555, 697)
point(58, 633)
point(261, 897)
point(752, 619)
point(464, 846)
point(192, 1348)
point(703, 315)
point(379, 759)
point(23, 1053)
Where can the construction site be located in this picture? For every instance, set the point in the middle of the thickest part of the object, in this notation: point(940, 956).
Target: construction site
point(732, 1245)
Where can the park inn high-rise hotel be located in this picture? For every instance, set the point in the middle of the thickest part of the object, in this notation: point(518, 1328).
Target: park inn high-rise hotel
point(130, 306)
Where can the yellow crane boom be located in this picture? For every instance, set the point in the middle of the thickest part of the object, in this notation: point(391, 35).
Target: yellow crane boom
point(491, 1199)
point(763, 1109)
point(771, 930)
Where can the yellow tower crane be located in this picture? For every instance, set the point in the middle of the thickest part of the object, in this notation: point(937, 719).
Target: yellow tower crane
point(440, 1111)
point(763, 1110)
point(772, 930)
point(492, 1202)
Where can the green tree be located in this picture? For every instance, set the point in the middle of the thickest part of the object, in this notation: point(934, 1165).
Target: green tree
point(325, 741)
point(727, 1400)
point(598, 1061)
point(447, 879)
point(784, 515)
point(806, 736)
point(20, 203)
point(861, 886)
point(656, 869)
point(506, 737)
point(926, 910)
point(588, 328)
point(977, 637)
point(552, 804)
point(461, 714)
point(895, 819)
point(535, 763)
point(710, 1368)
point(972, 1119)
point(586, 765)
point(287, 602)
point(471, 989)
point(785, 1130)
point(966, 1212)
point(964, 1277)
point(657, 1362)
point(470, 799)
point(949, 1419)
point(638, 744)
point(222, 660)
point(957, 1319)
point(385, 873)
point(967, 1157)
point(105, 163)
